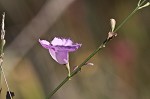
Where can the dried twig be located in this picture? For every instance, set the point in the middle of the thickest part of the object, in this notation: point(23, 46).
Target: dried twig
point(2, 43)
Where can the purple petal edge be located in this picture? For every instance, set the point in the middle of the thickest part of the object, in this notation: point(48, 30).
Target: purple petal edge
point(44, 43)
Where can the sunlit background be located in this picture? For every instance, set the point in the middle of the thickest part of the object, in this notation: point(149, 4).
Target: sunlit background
point(120, 71)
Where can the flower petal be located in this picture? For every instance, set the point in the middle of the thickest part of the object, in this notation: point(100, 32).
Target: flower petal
point(44, 43)
point(63, 42)
point(59, 48)
point(67, 42)
point(53, 54)
point(56, 41)
point(59, 56)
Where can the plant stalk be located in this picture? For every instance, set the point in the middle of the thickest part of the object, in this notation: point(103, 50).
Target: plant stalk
point(103, 44)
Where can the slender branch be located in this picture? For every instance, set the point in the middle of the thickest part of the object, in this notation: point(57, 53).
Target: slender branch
point(58, 87)
point(77, 70)
point(131, 14)
point(103, 44)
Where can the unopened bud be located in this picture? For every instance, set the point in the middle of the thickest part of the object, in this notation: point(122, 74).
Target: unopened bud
point(112, 24)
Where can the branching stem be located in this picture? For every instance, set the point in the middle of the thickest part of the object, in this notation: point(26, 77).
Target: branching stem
point(103, 44)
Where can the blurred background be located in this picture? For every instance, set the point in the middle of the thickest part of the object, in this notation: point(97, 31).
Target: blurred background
point(120, 71)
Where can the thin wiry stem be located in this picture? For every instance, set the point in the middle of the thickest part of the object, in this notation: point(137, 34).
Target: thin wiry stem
point(103, 44)
point(2, 43)
point(139, 2)
point(131, 14)
point(3, 73)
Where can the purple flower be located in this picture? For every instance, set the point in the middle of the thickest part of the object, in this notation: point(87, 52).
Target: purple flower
point(59, 48)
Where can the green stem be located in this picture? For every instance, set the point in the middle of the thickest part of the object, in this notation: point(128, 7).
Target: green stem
point(126, 19)
point(89, 57)
point(92, 54)
point(76, 70)
point(58, 87)
point(130, 15)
